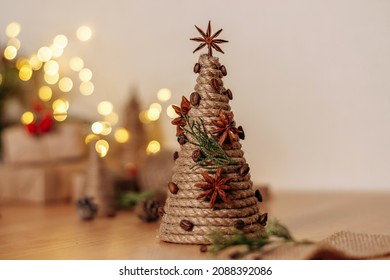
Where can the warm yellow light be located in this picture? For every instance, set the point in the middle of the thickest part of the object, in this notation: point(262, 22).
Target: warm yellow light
point(56, 50)
point(10, 52)
point(51, 67)
point(112, 118)
point(143, 117)
point(61, 41)
point(84, 33)
point(121, 135)
point(35, 63)
point(106, 128)
point(27, 118)
point(164, 94)
point(153, 114)
point(14, 42)
point(153, 147)
point(156, 106)
point(97, 127)
point(105, 108)
point(51, 79)
point(171, 112)
point(76, 63)
point(60, 106)
point(13, 29)
point(44, 54)
point(45, 93)
point(90, 137)
point(22, 62)
point(85, 75)
point(87, 88)
point(25, 73)
point(60, 117)
point(65, 84)
point(1, 79)
point(102, 147)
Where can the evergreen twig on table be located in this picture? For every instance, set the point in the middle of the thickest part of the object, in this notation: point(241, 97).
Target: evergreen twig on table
point(214, 156)
point(130, 199)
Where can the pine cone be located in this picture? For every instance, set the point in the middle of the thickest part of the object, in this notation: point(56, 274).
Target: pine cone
point(147, 210)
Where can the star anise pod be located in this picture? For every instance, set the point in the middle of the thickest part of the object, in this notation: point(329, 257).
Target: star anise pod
point(214, 188)
point(207, 39)
point(227, 130)
point(182, 111)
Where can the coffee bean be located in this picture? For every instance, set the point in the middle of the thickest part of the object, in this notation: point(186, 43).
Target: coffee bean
point(244, 169)
point(196, 155)
point(173, 188)
point(258, 195)
point(229, 94)
point(186, 225)
point(239, 224)
point(175, 155)
point(241, 133)
point(263, 219)
point(223, 70)
point(161, 211)
point(196, 68)
point(215, 84)
point(195, 98)
point(203, 248)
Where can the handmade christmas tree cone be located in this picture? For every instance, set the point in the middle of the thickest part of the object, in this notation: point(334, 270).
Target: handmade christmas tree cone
point(210, 191)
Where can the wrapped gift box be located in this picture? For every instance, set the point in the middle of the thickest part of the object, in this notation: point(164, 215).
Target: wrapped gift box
point(65, 142)
point(43, 183)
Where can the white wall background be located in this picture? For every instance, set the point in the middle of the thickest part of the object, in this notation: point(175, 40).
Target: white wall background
point(311, 78)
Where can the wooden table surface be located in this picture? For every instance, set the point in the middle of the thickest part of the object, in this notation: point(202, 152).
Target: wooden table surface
point(56, 232)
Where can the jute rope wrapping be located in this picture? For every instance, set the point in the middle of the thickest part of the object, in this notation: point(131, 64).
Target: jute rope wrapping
point(184, 205)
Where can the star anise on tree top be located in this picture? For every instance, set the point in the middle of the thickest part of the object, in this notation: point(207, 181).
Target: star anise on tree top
point(209, 40)
point(214, 188)
point(182, 111)
point(226, 128)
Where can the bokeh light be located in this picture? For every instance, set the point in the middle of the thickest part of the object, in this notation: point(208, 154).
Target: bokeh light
point(60, 106)
point(14, 42)
point(164, 94)
point(45, 93)
point(27, 118)
point(155, 106)
point(102, 147)
point(105, 108)
point(153, 147)
point(76, 63)
point(85, 75)
point(87, 88)
point(60, 41)
point(153, 114)
point(51, 67)
point(106, 128)
point(35, 63)
point(13, 29)
point(90, 137)
point(22, 62)
point(121, 135)
point(51, 79)
point(97, 127)
point(10, 52)
point(143, 117)
point(44, 54)
point(25, 73)
point(112, 118)
point(60, 117)
point(65, 84)
point(84, 33)
point(56, 50)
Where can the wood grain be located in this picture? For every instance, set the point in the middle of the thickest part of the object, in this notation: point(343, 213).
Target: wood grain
point(55, 231)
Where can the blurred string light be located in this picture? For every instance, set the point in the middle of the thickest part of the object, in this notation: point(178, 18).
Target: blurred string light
point(76, 63)
point(10, 52)
point(164, 94)
point(97, 127)
point(65, 84)
point(51, 79)
point(102, 147)
point(153, 147)
point(44, 54)
point(105, 108)
point(61, 41)
point(14, 42)
point(25, 73)
point(35, 63)
point(13, 29)
point(121, 135)
point(27, 118)
point(51, 67)
point(45, 93)
point(171, 112)
point(87, 88)
point(90, 137)
point(84, 33)
point(112, 118)
point(85, 75)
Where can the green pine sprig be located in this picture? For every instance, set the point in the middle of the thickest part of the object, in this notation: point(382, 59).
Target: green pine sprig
point(214, 156)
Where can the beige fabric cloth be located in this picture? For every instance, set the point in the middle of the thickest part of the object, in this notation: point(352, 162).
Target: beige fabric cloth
point(341, 245)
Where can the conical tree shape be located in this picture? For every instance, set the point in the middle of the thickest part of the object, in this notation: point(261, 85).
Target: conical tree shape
point(210, 190)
